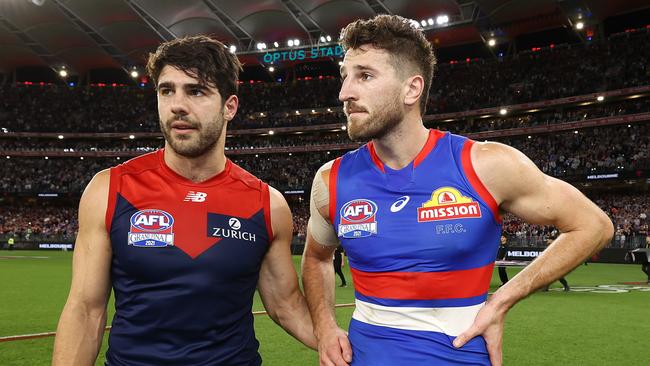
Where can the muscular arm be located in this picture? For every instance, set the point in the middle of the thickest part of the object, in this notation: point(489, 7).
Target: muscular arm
point(278, 283)
point(318, 276)
point(81, 326)
point(520, 188)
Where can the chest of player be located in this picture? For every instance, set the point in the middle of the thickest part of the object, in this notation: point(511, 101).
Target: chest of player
point(395, 220)
point(219, 234)
point(378, 229)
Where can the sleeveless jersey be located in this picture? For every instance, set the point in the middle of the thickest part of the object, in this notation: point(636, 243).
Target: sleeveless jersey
point(185, 265)
point(421, 242)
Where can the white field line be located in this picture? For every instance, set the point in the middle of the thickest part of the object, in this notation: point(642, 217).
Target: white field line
point(24, 337)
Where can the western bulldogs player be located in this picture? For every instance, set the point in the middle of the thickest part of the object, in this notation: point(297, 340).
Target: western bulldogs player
point(183, 236)
point(418, 213)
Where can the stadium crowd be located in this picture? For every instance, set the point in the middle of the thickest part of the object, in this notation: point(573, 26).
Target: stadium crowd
point(33, 223)
point(310, 138)
point(552, 72)
point(619, 62)
point(561, 154)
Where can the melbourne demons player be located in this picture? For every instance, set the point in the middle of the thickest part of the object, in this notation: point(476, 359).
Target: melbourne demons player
point(418, 212)
point(183, 236)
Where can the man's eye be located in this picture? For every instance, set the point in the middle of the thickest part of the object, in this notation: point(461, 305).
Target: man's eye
point(165, 91)
point(365, 76)
point(196, 92)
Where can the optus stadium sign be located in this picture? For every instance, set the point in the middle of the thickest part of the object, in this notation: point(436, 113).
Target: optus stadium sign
point(309, 54)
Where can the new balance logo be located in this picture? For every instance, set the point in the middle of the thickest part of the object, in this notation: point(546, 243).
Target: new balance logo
point(195, 196)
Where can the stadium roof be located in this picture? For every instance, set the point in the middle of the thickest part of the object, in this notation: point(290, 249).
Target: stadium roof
point(92, 34)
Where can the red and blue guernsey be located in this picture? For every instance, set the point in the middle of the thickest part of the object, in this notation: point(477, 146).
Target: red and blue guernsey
point(421, 242)
point(185, 265)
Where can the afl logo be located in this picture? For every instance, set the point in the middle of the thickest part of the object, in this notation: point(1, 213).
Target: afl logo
point(358, 210)
point(151, 220)
point(358, 219)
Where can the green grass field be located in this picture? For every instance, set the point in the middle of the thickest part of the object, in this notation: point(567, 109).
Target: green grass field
point(583, 327)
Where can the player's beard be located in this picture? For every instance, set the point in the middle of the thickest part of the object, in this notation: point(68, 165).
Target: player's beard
point(376, 124)
point(195, 144)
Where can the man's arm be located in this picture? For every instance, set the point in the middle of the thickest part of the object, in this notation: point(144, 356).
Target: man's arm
point(318, 276)
point(81, 326)
point(278, 283)
point(520, 188)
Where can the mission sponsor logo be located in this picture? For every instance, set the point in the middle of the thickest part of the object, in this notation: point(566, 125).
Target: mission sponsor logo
point(151, 228)
point(448, 203)
point(358, 219)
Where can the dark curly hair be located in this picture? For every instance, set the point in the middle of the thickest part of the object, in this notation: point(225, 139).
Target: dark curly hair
point(201, 57)
point(403, 41)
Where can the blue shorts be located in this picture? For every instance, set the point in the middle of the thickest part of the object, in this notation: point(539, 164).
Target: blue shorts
point(374, 345)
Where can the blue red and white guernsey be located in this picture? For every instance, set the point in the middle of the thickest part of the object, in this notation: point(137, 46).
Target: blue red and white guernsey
point(421, 242)
point(185, 265)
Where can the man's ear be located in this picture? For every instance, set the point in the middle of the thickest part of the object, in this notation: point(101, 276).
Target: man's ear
point(413, 89)
point(230, 107)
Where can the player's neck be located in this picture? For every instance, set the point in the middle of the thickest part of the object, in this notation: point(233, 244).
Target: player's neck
point(200, 168)
point(400, 146)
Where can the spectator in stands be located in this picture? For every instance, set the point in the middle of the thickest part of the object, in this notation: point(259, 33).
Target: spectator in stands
point(502, 255)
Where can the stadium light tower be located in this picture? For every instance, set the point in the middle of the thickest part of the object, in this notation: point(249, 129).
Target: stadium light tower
point(580, 25)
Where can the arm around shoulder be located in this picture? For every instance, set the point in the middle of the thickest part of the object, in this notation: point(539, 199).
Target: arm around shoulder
point(82, 322)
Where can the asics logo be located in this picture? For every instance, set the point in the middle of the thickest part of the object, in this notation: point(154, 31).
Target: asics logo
point(195, 196)
point(399, 204)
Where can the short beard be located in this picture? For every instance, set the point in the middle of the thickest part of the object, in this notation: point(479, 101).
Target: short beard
point(377, 124)
point(209, 135)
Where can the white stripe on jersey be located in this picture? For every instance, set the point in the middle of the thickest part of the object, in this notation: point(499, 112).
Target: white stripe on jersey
point(448, 320)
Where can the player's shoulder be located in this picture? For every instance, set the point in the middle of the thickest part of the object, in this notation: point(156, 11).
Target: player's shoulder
point(245, 177)
point(139, 164)
point(504, 171)
point(323, 174)
point(96, 192)
point(492, 155)
point(327, 166)
point(277, 200)
point(99, 181)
